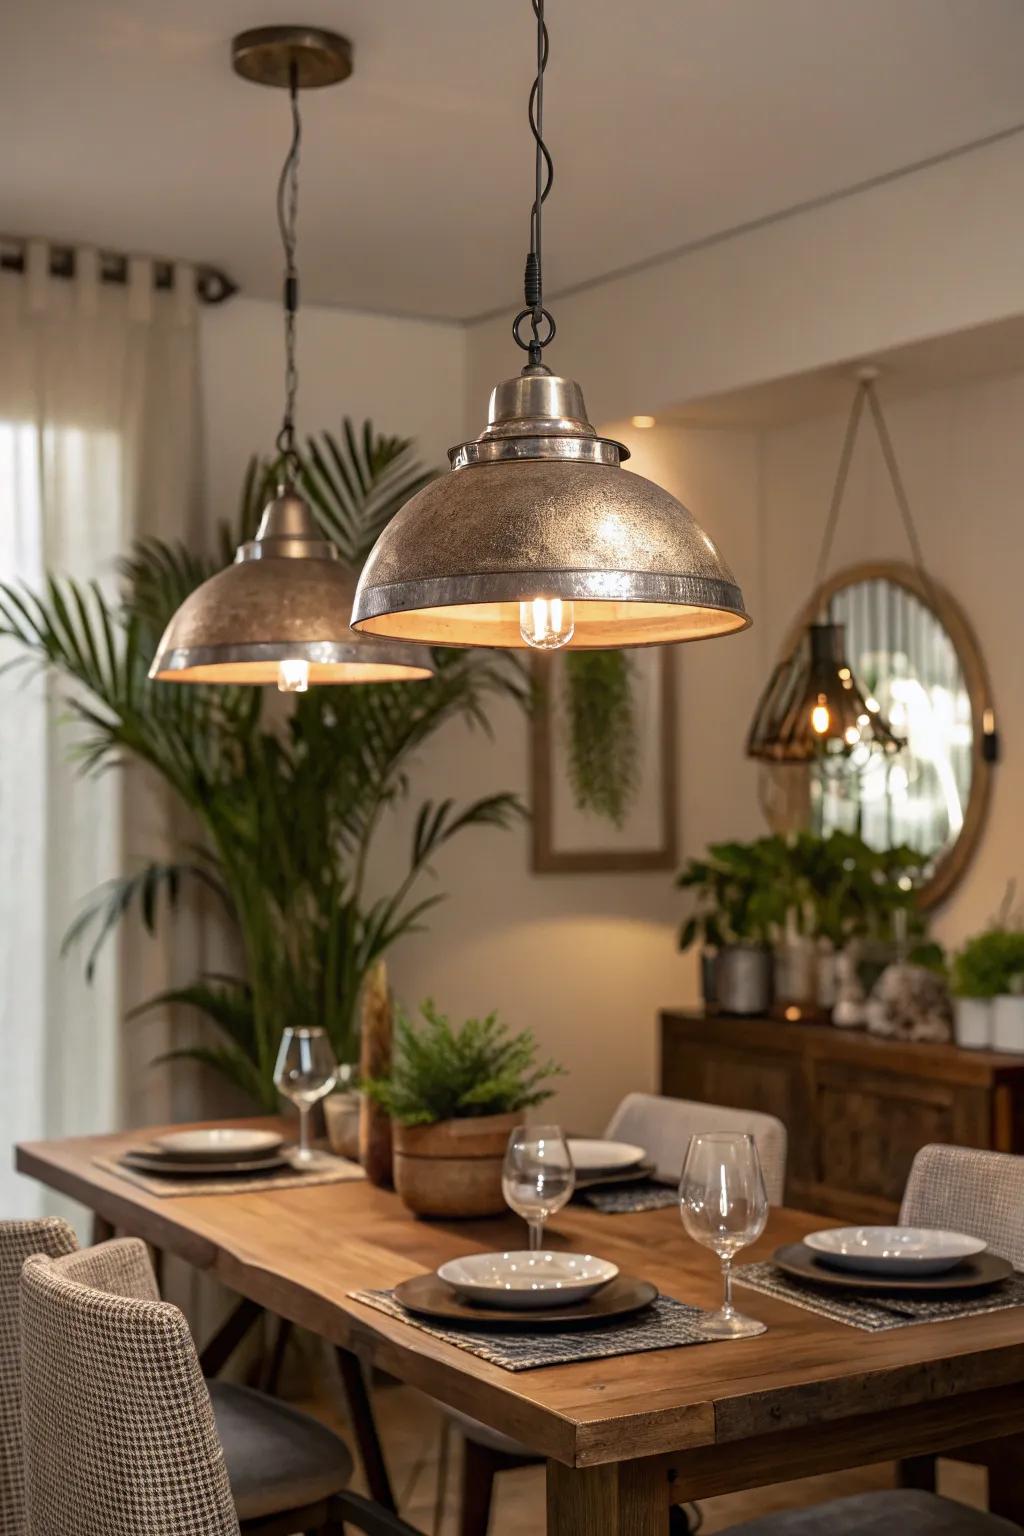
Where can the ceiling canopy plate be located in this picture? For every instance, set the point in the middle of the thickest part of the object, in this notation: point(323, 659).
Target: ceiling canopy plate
point(265, 55)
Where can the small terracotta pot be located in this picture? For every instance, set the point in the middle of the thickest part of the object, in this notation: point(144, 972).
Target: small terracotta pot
point(452, 1168)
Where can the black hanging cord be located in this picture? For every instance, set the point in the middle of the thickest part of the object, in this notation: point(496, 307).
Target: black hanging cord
point(544, 175)
point(287, 219)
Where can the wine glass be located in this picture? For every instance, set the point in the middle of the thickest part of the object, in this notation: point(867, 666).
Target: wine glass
point(306, 1070)
point(538, 1176)
point(724, 1206)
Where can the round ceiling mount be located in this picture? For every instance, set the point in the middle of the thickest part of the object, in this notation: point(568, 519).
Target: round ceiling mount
point(265, 55)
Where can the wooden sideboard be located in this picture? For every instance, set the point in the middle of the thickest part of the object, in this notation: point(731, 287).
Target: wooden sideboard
point(857, 1107)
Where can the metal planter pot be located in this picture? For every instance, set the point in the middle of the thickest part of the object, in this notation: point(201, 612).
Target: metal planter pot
point(743, 979)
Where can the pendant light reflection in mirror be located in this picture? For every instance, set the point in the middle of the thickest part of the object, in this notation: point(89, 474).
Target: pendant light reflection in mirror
point(281, 613)
point(537, 538)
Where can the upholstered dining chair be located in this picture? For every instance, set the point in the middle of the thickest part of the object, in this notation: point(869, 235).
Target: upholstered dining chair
point(122, 1435)
point(18, 1240)
point(663, 1127)
point(982, 1193)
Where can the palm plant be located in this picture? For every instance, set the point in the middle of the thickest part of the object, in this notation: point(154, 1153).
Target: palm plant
point(286, 809)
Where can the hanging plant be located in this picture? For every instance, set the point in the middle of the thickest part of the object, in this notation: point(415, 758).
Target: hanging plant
point(603, 753)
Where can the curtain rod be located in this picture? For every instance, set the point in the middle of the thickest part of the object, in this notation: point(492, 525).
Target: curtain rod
point(212, 285)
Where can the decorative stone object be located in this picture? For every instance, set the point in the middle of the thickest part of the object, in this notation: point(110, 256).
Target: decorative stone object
point(910, 1003)
point(375, 1061)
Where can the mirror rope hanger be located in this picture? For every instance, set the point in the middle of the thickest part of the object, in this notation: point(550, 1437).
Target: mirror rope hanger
point(814, 707)
point(281, 613)
point(537, 538)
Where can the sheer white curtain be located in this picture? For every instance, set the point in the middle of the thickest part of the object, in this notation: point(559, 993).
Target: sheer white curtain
point(99, 442)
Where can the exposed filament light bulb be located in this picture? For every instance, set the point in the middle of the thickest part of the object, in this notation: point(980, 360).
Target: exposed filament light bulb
point(820, 717)
point(546, 623)
point(293, 676)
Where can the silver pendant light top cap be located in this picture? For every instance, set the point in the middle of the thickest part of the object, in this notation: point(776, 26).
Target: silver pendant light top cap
point(537, 415)
point(289, 531)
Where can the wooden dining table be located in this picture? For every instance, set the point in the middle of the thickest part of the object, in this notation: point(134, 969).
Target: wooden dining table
point(624, 1437)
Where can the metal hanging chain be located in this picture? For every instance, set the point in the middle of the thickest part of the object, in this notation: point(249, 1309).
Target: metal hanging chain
point(866, 391)
point(544, 175)
point(287, 220)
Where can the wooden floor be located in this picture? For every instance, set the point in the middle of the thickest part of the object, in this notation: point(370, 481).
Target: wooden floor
point(411, 1427)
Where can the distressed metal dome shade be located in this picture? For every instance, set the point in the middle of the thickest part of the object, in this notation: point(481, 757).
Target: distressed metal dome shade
point(286, 598)
point(538, 506)
point(814, 708)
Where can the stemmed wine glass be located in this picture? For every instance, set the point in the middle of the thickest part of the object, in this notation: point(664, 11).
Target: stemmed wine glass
point(724, 1206)
point(306, 1070)
point(538, 1176)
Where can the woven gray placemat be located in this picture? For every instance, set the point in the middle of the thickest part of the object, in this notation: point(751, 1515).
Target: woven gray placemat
point(644, 1195)
point(329, 1170)
point(665, 1324)
point(875, 1314)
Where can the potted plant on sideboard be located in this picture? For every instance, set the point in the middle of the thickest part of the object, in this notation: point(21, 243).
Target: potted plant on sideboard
point(988, 991)
point(454, 1094)
point(737, 912)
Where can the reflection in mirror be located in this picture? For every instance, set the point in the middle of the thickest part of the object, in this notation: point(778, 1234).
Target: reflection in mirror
point(900, 651)
point(913, 653)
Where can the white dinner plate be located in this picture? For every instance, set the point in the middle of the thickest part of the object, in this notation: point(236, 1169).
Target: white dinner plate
point(591, 1156)
point(518, 1281)
point(893, 1250)
point(231, 1142)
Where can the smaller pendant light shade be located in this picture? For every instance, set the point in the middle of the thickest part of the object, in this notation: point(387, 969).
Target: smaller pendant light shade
point(813, 707)
point(280, 614)
point(538, 537)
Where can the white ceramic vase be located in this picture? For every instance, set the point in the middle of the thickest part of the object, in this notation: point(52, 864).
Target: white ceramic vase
point(1008, 1023)
point(972, 1022)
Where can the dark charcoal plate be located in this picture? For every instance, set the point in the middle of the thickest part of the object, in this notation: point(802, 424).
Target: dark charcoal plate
point(974, 1274)
point(430, 1296)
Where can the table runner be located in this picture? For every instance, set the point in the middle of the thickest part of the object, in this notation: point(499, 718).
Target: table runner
point(875, 1314)
point(665, 1324)
point(329, 1170)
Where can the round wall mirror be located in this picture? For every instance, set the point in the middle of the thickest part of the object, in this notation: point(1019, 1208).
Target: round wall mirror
point(911, 646)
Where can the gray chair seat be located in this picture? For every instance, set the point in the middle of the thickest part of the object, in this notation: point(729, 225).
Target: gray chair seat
point(277, 1458)
point(901, 1512)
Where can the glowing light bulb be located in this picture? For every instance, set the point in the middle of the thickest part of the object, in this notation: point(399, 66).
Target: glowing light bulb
point(872, 704)
point(644, 421)
point(293, 676)
point(546, 623)
point(820, 717)
point(852, 735)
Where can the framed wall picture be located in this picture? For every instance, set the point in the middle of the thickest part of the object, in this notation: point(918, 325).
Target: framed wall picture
point(604, 761)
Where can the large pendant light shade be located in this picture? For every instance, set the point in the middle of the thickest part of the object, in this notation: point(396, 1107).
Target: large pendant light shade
point(280, 615)
point(538, 537)
point(537, 512)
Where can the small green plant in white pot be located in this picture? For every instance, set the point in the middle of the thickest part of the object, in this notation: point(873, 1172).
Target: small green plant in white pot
point(988, 989)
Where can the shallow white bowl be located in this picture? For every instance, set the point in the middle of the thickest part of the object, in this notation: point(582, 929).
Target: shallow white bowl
point(893, 1250)
point(228, 1141)
point(591, 1156)
point(523, 1280)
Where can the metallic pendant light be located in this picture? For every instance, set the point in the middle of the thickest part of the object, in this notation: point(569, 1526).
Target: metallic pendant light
point(281, 613)
point(814, 708)
point(537, 537)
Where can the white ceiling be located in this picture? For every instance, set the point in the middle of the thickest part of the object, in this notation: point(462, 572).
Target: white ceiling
point(670, 121)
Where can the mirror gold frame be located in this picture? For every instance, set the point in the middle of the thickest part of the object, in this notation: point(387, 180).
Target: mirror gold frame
point(952, 863)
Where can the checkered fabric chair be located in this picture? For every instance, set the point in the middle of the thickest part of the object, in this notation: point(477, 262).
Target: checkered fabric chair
point(663, 1127)
point(963, 1190)
point(18, 1239)
point(121, 1437)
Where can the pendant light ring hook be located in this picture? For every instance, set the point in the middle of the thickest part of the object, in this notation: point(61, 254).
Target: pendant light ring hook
point(536, 344)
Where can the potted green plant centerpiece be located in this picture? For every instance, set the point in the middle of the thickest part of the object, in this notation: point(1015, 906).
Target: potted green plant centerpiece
point(454, 1093)
point(736, 913)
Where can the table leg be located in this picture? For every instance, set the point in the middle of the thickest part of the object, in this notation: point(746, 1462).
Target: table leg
point(229, 1335)
point(625, 1498)
point(364, 1427)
